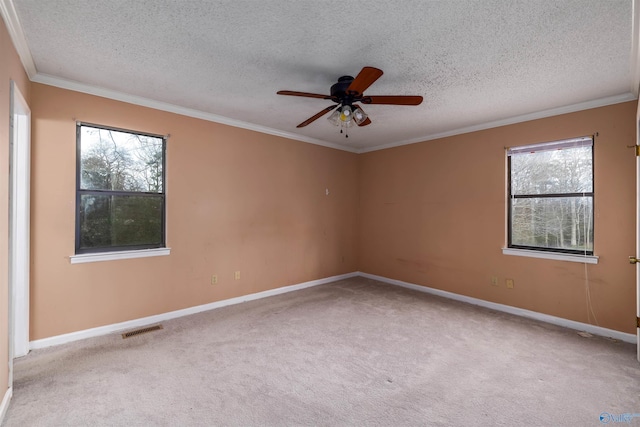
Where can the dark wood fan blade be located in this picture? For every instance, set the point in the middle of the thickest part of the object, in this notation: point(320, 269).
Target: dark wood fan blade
point(317, 116)
point(304, 94)
point(367, 121)
point(363, 80)
point(392, 100)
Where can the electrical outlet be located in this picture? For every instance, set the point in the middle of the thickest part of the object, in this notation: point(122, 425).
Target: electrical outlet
point(237, 275)
point(214, 279)
point(494, 280)
point(509, 283)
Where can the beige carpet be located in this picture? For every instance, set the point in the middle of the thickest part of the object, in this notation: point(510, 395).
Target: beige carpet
point(351, 353)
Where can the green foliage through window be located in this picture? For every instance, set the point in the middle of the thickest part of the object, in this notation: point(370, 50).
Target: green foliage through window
point(120, 190)
point(551, 196)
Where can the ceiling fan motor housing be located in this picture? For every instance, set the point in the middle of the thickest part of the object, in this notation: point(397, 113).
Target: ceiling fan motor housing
point(339, 91)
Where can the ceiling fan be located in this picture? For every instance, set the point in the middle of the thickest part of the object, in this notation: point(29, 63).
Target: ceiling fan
point(346, 93)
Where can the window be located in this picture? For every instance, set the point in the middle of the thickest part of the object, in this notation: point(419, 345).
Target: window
point(120, 196)
point(551, 196)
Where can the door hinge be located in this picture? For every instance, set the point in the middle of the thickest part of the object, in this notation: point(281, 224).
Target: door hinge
point(638, 322)
point(637, 149)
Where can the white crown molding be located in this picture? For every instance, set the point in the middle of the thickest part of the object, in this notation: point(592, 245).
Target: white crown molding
point(8, 12)
point(189, 112)
point(171, 108)
point(602, 102)
point(10, 16)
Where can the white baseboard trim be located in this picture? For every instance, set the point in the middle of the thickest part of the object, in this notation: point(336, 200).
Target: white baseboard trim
point(571, 324)
point(108, 329)
point(116, 327)
point(4, 406)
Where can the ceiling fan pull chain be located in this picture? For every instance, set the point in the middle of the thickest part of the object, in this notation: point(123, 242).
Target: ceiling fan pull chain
point(345, 131)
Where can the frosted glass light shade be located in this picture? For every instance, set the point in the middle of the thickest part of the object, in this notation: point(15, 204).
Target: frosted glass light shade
point(334, 118)
point(359, 116)
point(345, 114)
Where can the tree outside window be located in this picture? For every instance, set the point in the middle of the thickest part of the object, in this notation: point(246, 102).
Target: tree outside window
point(120, 190)
point(551, 196)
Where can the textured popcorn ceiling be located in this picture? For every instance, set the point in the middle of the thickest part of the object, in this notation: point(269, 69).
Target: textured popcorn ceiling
point(476, 63)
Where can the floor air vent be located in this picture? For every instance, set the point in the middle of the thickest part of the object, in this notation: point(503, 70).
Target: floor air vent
point(141, 331)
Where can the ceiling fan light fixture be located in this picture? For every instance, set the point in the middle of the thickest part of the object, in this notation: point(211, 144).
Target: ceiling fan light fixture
point(359, 116)
point(334, 118)
point(343, 117)
point(346, 114)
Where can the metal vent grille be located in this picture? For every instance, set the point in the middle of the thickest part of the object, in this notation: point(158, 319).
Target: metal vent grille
point(141, 331)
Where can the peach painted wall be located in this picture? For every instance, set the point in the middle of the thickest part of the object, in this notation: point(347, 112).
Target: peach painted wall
point(10, 69)
point(237, 200)
point(434, 214)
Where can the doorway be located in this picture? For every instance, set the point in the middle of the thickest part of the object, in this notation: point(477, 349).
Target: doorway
point(638, 240)
point(19, 219)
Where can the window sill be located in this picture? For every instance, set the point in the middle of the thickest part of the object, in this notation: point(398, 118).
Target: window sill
point(584, 259)
point(111, 256)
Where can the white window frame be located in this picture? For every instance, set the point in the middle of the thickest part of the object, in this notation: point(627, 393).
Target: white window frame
point(540, 252)
point(111, 255)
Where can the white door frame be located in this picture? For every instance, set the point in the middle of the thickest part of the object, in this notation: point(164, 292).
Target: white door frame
point(19, 225)
point(638, 238)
